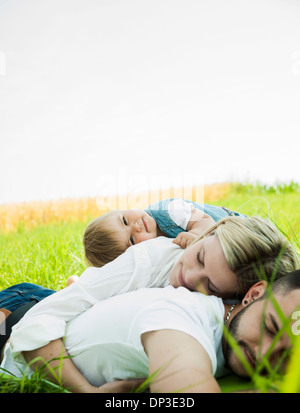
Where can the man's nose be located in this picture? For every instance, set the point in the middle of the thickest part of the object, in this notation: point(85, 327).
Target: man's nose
point(272, 354)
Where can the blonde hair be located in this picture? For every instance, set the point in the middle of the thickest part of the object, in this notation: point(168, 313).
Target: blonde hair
point(101, 243)
point(254, 250)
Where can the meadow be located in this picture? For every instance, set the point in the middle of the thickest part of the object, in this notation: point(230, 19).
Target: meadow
point(41, 242)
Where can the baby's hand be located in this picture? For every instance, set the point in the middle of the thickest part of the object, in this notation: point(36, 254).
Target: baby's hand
point(184, 239)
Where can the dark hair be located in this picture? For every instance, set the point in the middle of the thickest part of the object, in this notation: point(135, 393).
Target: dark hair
point(287, 283)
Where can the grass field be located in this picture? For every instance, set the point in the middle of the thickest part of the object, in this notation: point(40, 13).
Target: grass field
point(41, 242)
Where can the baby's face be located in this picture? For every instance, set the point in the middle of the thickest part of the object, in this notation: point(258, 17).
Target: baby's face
point(134, 226)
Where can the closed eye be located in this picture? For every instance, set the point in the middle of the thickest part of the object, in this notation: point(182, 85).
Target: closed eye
point(199, 259)
point(268, 331)
point(274, 329)
point(211, 289)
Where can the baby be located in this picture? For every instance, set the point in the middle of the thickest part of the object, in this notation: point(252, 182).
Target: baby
point(109, 235)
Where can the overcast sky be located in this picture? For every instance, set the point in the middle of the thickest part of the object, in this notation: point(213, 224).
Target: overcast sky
point(98, 96)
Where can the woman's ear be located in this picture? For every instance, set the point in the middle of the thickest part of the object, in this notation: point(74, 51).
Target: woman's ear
point(256, 291)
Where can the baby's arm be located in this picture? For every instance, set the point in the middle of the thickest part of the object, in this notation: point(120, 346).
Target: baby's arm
point(197, 225)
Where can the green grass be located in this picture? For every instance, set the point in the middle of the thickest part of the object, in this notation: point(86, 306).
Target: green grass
point(45, 255)
point(278, 203)
point(48, 254)
point(34, 384)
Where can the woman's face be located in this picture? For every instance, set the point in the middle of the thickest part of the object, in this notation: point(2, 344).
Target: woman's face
point(203, 267)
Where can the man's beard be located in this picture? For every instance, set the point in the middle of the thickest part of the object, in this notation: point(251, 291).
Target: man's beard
point(233, 331)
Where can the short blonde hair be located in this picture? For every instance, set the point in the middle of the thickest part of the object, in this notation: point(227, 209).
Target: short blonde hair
point(101, 244)
point(254, 250)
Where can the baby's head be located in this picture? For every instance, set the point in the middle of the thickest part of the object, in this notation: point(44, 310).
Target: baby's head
point(109, 235)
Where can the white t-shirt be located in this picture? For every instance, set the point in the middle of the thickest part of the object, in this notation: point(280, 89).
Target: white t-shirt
point(146, 264)
point(105, 341)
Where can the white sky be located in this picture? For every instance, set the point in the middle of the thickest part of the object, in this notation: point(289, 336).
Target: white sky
point(99, 96)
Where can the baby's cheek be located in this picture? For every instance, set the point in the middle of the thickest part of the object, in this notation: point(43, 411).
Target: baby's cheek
point(145, 237)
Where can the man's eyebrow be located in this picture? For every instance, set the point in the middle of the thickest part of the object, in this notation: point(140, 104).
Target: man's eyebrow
point(274, 322)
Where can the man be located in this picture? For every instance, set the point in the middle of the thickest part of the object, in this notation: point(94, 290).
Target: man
point(175, 333)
